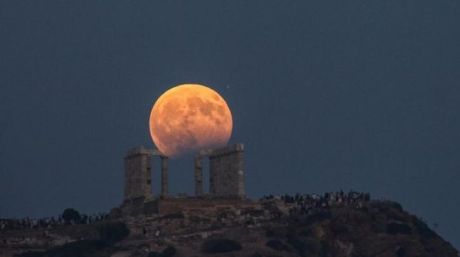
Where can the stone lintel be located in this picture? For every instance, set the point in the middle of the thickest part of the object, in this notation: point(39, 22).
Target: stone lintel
point(204, 152)
point(227, 150)
point(141, 150)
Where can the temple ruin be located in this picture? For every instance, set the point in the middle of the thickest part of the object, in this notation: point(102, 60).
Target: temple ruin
point(226, 180)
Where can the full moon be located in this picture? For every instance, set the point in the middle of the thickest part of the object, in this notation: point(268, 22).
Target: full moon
point(188, 118)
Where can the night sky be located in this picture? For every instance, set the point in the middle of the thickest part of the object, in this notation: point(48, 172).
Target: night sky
point(325, 95)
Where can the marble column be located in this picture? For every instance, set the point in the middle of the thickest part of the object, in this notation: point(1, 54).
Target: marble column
point(198, 175)
point(164, 176)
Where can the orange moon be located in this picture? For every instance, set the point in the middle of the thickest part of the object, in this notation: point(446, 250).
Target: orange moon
point(188, 118)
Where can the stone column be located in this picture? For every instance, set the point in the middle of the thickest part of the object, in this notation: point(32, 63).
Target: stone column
point(164, 176)
point(198, 175)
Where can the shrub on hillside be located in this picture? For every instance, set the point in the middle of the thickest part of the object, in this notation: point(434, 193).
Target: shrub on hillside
point(31, 254)
point(113, 232)
point(275, 232)
point(71, 215)
point(397, 206)
point(169, 251)
point(339, 228)
point(278, 245)
point(423, 228)
point(313, 246)
point(394, 228)
point(220, 246)
point(154, 254)
point(298, 244)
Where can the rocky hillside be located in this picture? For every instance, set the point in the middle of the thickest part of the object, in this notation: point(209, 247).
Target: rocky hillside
point(272, 227)
point(377, 229)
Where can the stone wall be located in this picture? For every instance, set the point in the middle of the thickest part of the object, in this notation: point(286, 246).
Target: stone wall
point(174, 205)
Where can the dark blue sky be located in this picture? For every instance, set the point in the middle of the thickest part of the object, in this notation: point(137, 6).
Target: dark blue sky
point(326, 95)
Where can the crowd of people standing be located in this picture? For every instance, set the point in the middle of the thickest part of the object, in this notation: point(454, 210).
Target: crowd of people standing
point(305, 203)
point(50, 222)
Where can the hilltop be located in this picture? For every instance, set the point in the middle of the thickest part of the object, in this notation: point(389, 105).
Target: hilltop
point(330, 225)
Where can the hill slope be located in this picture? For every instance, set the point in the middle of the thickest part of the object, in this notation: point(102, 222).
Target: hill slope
point(273, 227)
